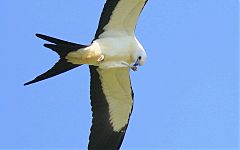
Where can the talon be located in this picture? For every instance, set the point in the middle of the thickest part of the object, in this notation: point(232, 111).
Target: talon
point(134, 68)
point(101, 58)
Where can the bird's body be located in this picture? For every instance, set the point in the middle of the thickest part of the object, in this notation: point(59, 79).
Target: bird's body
point(111, 54)
point(117, 52)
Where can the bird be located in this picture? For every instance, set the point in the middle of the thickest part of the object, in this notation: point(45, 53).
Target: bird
point(112, 54)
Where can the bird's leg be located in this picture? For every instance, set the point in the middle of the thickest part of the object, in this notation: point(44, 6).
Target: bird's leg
point(134, 68)
point(101, 58)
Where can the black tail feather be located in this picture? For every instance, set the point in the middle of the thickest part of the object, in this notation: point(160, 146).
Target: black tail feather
point(56, 41)
point(62, 48)
point(60, 67)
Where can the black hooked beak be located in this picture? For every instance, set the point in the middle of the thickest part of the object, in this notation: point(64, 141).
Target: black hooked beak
point(137, 63)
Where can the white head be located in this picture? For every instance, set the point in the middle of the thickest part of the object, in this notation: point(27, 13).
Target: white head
point(139, 58)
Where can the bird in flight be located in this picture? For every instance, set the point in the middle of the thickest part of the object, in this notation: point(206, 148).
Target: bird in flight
point(111, 55)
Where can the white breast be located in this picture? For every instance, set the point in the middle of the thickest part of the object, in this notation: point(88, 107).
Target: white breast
point(117, 50)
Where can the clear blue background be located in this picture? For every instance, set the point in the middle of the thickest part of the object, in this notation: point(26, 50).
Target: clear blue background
point(186, 96)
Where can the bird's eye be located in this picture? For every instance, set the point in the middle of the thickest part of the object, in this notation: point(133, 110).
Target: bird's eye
point(139, 57)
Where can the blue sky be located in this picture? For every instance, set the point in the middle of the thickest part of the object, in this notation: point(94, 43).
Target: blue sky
point(186, 96)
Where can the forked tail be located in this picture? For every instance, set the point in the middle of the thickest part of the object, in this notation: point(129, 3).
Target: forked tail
point(62, 48)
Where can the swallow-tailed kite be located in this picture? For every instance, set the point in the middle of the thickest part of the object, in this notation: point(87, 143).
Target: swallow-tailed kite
point(112, 53)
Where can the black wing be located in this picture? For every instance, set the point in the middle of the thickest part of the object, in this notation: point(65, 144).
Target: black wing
point(124, 13)
point(106, 134)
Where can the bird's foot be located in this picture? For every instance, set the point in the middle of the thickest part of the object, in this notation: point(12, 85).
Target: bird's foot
point(101, 58)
